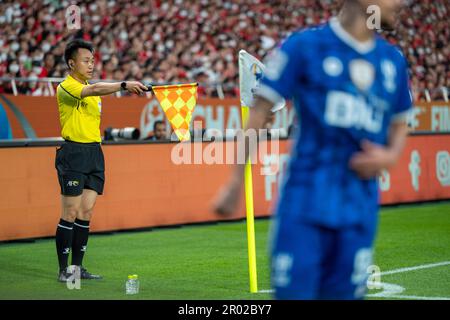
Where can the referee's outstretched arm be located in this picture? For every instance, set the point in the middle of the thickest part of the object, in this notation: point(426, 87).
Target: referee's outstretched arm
point(105, 88)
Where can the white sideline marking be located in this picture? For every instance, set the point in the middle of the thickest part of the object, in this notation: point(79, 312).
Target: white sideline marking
point(266, 291)
point(393, 290)
point(388, 289)
point(423, 266)
point(417, 297)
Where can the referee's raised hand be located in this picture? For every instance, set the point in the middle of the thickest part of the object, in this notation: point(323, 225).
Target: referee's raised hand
point(135, 87)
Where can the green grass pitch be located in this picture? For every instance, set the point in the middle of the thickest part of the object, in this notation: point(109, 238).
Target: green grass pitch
point(210, 261)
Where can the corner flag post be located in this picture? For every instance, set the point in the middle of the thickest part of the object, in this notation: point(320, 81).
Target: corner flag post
point(247, 80)
point(248, 186)
point(250, 72)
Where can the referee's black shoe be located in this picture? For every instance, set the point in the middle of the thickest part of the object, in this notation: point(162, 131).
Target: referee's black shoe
point(84, 274)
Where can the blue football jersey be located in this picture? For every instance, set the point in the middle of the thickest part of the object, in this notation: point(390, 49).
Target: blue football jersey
point(343, 91)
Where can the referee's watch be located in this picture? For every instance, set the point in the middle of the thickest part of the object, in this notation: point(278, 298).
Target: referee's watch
point(123, 85)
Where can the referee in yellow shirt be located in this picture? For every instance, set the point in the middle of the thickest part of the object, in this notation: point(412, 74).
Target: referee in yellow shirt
point(79, 161)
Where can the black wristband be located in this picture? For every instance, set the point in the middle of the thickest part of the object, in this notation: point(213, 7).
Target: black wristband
point(123, 85)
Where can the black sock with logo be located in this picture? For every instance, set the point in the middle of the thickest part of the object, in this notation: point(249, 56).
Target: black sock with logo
point(63, 239)
point(79, 242)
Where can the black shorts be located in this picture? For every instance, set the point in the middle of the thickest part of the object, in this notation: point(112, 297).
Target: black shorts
point(80, 166)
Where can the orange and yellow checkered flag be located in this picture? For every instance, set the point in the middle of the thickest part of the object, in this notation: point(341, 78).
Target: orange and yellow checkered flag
point(178, 103)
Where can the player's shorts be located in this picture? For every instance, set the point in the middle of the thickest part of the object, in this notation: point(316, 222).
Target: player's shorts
point(80, 166)
point(314, 262)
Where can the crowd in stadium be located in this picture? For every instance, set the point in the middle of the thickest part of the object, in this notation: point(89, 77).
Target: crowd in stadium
point(180, 41)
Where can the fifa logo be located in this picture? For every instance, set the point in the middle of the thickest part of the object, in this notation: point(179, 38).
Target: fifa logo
point(443, 168)
point(414, 169)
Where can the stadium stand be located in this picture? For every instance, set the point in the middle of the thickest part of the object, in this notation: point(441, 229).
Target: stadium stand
point(177, 41)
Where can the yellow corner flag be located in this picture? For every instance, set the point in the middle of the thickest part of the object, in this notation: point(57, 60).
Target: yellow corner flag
point(178, 103)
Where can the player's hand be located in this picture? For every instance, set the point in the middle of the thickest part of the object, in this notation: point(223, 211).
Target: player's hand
point(136, 87)
point(373, 158)
point(227, 200)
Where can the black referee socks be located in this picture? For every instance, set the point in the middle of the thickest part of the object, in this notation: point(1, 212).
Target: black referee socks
point(79, 242)
point(64, 233)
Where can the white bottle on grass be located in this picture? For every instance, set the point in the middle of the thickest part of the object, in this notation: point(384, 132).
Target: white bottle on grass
point(132, 285)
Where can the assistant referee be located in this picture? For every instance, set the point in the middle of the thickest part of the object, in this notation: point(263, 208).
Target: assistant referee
point(79, 161)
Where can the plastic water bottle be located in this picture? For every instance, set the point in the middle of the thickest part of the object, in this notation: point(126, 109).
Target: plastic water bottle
point(132, 284)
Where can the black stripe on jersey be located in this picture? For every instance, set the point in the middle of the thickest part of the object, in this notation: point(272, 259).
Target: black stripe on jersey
point(68, 92)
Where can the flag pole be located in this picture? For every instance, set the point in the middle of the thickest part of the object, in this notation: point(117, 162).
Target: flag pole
point(248, 186)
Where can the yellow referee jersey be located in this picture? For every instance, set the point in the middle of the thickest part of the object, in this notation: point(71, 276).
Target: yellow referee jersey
point(79, 118)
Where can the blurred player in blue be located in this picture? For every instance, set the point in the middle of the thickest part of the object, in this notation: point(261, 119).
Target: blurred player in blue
point(350, 89)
